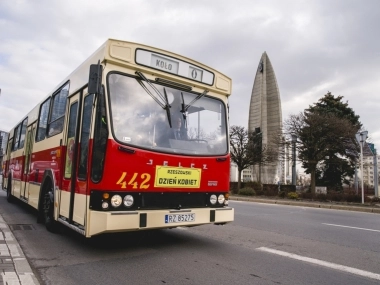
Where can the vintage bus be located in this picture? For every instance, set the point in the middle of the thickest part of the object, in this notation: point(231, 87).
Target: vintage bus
point(135, 138)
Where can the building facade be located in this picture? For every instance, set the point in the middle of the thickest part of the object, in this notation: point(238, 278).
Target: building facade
point(3, 147)
point(369, 171)
point(246, 174)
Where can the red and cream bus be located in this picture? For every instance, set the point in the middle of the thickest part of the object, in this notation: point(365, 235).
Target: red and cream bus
point(135, 138)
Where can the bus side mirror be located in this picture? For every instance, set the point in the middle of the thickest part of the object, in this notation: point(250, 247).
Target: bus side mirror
point(95, 79)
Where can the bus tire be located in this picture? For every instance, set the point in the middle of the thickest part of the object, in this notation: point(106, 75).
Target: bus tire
point(48, 207)
point(10, 197)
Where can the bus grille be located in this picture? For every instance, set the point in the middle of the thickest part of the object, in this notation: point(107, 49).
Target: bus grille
point(173, 200)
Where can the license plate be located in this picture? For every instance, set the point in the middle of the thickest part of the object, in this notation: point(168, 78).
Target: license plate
point(179, 218)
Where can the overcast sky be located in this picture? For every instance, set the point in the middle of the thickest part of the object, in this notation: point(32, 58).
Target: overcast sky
point(314, 47)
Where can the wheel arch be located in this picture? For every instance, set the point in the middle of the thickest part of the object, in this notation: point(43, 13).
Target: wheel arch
point(8, 188)
point(47, 177)
point(9, 179)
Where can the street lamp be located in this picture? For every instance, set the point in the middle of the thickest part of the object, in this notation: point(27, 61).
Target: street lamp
point(376, 173)
point(361, 138)
point(259, 137)
point(294, 140)
point(356, 179)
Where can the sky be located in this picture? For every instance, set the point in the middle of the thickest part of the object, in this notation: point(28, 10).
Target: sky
point(315, 47)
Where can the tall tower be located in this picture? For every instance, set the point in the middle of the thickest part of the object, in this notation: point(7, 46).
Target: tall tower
point(265, 113)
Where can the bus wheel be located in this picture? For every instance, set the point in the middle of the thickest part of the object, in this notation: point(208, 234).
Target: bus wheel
point(48, 208)
point(10, 198)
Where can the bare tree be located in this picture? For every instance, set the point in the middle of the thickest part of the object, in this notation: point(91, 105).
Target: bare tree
point(247, 150)
point(240, 154)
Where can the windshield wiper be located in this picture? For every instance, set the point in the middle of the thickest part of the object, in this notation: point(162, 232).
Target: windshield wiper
point(167, 108)
point(184, 110)
point(164, 105)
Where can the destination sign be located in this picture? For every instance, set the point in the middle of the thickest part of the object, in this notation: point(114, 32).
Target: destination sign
point(179, 177)
point(174, 66)
point(164, 64)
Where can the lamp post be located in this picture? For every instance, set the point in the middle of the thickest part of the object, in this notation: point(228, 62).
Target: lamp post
point(294, 140)
point(361, 138)
point(259, 147)
point(356, 179)
point(376, 173)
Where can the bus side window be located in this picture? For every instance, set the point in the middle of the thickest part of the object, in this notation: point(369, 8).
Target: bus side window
point(42, 122)
point(58, 108)
point(100, 140)
point(23, 132)
point(85, 136)
point(16, 138)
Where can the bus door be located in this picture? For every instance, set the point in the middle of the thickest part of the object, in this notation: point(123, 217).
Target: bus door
point(28, 155)
point(73, 202)
point(7, 164)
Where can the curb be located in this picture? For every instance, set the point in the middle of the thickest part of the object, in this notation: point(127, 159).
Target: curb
point(14, 267)
point(363, 209)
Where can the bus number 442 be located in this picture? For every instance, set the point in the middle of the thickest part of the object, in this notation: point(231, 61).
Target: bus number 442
point(143, 181)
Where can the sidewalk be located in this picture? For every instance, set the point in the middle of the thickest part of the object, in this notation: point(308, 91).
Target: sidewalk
point(14, 267)
point(314, 204)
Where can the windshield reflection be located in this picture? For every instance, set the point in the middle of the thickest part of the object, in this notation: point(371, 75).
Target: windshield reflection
point(138, 120)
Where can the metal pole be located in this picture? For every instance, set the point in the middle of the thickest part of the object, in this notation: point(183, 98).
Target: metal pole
point(376, 174)
point(259, 135)
point(259, 172)
point(361, 138)
point(356, 179)
point(361, 166)
point(294, 139)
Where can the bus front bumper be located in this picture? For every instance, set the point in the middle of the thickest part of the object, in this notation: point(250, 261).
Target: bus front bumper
point(103, 222)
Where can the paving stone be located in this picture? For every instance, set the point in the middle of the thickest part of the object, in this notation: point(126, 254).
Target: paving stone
point(7, 267)
point(10, 278)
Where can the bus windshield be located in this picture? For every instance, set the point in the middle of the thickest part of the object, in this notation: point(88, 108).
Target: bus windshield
point(166, 119)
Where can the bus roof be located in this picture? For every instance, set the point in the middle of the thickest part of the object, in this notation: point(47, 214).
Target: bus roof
point(123, 53)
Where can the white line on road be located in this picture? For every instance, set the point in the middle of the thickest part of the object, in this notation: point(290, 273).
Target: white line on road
point(352, 227)
point(322, 263)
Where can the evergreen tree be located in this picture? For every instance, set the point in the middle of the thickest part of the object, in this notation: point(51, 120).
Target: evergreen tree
point(326, 140)
point(340, 159)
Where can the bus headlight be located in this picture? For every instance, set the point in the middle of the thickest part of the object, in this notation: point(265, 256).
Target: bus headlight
point(128, 200)
point(116, 201)
point(213, 199)
point(221, 199)
point(105, 205)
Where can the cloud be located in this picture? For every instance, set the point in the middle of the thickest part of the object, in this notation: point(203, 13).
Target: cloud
point(313, 47)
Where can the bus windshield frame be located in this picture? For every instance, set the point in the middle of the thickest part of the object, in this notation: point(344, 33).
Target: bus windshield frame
point(165, 118)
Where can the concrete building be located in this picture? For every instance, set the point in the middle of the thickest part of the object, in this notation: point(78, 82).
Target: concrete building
point(369, 170)
point(3, 147)
point(246, 174)
point(265, 116)
point(233, 172)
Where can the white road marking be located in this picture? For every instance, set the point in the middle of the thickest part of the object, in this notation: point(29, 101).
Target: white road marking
point(182, 228)
point(371, 230)
point(323, 263)
point(249, 202)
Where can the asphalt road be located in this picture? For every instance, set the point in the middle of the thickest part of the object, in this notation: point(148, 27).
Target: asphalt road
point(266, 244)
